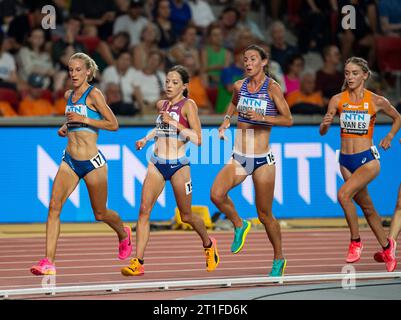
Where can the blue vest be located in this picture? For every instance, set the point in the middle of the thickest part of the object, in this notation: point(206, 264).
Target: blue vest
point(82, 108)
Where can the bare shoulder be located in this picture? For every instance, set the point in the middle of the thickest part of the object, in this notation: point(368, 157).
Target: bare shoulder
point(160, 104)
point(379, 100)
point(67, 94)
point(238, 84)
point(191, 103)
point(95, 93)
point(274, 86)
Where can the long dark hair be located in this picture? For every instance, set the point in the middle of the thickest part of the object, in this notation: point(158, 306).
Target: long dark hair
point(184, 74)
point(263, 56)
point(362, 63)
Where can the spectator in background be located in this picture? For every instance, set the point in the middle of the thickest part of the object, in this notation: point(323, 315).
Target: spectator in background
point(180, 15)
point(106, 54)
point(202, 15)
point(149, 84)
point(122, 7)
point(98, 17)
point(390, 17)
point(133, 23)
point(197, 87)
point(315, 29)
point(8, 69)
point(306, 100)
point(214, 57)
point(115, 101)
point(244, 7)
point(32, 59)
point(361, 40)
point(186, 46)
point(21, 26)
point(6, 110)
point(150, 37)
point(280, 49)
point(162, 21)
point(245, 38)
point(227, 79)
point(229, 19)
point(8, 11)
point(122, 74)
point(292, 71)
point(329, 79)
point(64, 48)
point(33, 104)
point(275, 70)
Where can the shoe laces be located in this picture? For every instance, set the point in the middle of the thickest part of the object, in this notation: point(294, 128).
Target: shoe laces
point(354, 247)
point(135, 264)
point(276, 266)
point(44, 262)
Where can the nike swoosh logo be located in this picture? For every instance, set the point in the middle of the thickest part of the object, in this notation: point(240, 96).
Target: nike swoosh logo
point(259, 162)
point(363, 160)
point(172, 167)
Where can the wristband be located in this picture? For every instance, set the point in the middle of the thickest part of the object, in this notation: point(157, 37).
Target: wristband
point(227, 117)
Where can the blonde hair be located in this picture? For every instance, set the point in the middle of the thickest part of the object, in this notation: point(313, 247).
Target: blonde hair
point(89, 63)
point(362, 63)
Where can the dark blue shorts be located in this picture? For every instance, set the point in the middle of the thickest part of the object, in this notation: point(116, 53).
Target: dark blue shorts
point(353, 161)
point(250, 164)
point(168, 167)
point(83, 167)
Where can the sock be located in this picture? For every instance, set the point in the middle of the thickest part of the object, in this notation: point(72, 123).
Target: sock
point(387, 246)
point(141, 261)
point(209, 246)
point(356, 240)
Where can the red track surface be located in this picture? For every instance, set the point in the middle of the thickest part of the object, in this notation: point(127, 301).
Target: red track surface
point(92, 260)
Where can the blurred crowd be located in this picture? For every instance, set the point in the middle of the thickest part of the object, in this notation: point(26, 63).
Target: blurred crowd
point(134, 43)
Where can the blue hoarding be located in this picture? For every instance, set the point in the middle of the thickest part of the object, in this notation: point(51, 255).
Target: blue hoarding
point(307, 174)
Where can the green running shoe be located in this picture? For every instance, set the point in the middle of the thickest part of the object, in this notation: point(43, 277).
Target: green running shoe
point(239, 236)
point(278, 268)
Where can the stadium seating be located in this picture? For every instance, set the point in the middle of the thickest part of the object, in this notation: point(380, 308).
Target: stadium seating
point(10, 96)
point(388, 50)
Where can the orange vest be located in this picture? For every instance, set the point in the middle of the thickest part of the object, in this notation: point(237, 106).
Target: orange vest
point(357, 119)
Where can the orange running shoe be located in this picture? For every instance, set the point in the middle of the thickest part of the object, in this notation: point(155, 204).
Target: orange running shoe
point(212, 256)
point(134, 269)
point(354, 252)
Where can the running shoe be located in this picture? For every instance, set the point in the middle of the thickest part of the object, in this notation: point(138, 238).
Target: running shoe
point(44, 268)
point(134, 269)
point(239, 236)
point(278, 268)
point(389, 256)
point(125, 246)
point(354, 252)
point(212, 256)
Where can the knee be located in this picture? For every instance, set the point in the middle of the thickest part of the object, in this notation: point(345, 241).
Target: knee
point(186, 217)
point(265, 218)
point(54, 208)
point(99, 214)
point(144, 210)
point(217, 196)
point(343, 197)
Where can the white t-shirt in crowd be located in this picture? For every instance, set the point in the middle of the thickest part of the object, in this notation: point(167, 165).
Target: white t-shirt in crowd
point(7, 65)
point(133, 27)
point(202, 13)
point(150, 86)
point(126, 81)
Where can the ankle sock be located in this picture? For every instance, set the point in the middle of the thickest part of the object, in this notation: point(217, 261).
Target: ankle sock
point(356, 240)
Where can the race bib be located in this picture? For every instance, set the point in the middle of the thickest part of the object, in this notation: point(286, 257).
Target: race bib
point(98, 160)
point(258, 105)
point(270, 158)
point(354, 122)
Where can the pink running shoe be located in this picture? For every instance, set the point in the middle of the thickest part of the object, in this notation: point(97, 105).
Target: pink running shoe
point(125, 246)
point(44, 268)
point(389, 256)
point(354, 252)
